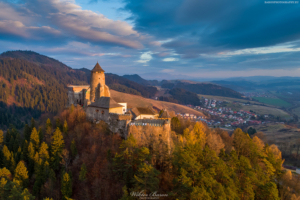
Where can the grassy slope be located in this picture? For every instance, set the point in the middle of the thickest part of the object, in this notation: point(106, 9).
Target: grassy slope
point(138, 101)
point(273, 101)
point(278, 133)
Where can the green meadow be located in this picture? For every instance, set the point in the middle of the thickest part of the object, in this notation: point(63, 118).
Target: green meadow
point(273, 101)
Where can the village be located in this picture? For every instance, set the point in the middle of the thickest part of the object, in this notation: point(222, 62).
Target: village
point(225, 117)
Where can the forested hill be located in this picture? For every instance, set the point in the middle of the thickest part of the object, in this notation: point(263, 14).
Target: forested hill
point(61, 72)
point(32, 84)
point(136, 78)
point(27, 90)
point(202, 88)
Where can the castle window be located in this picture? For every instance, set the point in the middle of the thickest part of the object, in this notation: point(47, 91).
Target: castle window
point(97, 110)
point(102, 112)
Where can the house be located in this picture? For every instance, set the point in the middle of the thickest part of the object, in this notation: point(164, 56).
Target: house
point(143, 113)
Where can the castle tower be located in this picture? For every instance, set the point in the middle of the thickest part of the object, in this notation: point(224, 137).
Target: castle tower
point(97, 82)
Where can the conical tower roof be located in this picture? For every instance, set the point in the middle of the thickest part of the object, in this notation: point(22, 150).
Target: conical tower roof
point(97, 68)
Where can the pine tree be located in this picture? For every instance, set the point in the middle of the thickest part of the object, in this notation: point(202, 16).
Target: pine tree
point(16, 143)
point(1, 137)
point(24, 155)
point(175, 124)
point(73, 149)
point(35, 139)
point(43, 153)
point(65, 127)
point(57, 123)
point(48, 123)
point(82, 173)
point(32, 125)
point(27, 132)
point(41, 135)
point(146, 178)
point(7, 156)
point(31, 154)
point(66, 186)
point(12, 162)
point(57, 146)
point(21, 174)
point(5, 173)
point(11, 143)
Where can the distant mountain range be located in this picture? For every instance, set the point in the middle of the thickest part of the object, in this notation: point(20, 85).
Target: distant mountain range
point(261, 83)
point(190, 86)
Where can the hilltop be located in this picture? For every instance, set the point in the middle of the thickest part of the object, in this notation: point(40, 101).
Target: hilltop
point(190, 86)
point(138, 101)
point(33, 84)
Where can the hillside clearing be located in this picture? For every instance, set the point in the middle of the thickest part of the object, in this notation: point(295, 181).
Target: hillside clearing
point(138, 101)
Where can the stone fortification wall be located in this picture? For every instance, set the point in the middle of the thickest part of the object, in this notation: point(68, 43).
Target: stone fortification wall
point(97, 114)
point(150, 122)
point(115, 116)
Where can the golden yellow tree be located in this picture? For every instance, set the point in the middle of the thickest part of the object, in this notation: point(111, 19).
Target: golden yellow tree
point(57, 146)
point(1, 137)
point(21, 174)
point(215, 142)
point(35, 139)
point(5, 173)
point(43, 153)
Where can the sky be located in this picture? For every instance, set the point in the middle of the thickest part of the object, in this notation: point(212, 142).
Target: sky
point(170, 39)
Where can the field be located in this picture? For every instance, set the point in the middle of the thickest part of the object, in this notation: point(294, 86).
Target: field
point(278, 133)
point(258, 108)
point(273, 101)
point(296, 111)
point(138, 101)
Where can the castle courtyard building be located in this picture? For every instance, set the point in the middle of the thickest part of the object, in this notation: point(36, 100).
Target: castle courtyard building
point(99, 106)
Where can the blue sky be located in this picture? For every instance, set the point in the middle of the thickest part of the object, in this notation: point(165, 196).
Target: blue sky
point(188, 39)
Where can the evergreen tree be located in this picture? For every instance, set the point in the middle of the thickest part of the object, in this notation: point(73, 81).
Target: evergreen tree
point(35, 139)
point(175, 124)
point(43, 153)
point(32, 125)
point(66, 186)
point(146, 178)
point(21, 174)
point(58, 123)
point(57, 146)
point(31, 154)
point(73, 149)
point(82, 173)
point(12, 162)
point(1, 137)
point(48, 123)
point(11, 143)
point(27, 132)
point(65, 127)
point(7, 157)
point(24, 155)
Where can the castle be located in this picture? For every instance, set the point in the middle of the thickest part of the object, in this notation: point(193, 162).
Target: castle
point(99, 106)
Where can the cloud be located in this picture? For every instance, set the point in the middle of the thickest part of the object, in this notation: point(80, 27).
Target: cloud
point(145, 57)
point(215, 26)
point(68, 19)
point(170, 59)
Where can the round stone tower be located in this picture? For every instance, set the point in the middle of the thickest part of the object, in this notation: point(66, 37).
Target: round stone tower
point(97, 82)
